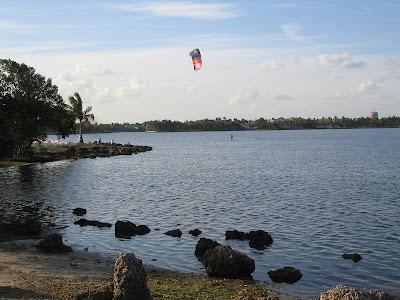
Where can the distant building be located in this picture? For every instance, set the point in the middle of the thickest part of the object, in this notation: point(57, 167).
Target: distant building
point(373, 115)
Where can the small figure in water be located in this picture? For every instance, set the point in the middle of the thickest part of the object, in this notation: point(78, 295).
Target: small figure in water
point(231, 136)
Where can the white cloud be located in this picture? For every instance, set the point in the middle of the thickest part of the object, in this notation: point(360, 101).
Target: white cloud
point(367, 87)
point(291, 30)
point(134, 88)
point(355, 64)
point(283, 97)
point(187, 9)
point(326, 60)
point(245, 96)
point(272, 65)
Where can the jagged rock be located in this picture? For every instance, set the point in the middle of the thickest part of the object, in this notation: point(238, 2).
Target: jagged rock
point(142, 230)
point(174, 233)
point(285, 274)
point(125, 229)
point(53, 243)
point(84, 222)
point(195, 232)
point(342, 292)
point(353, 256)
point(259, 239)
point(223, 261)
point(235, 235)
point(99, 293)
point(203, 245)
point(130, 279)
point(79, 211)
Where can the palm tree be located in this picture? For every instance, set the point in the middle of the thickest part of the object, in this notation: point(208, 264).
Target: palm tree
point(80, 114)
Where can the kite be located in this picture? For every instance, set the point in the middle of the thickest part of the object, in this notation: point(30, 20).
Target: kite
point(196, 58)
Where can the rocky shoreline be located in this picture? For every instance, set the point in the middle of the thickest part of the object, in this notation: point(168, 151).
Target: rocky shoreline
point(56, 152)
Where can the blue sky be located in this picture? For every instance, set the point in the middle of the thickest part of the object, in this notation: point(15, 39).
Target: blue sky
point(130, 60)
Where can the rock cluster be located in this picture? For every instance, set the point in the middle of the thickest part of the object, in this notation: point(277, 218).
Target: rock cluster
point(126, 229)
point(174, 233)
point(53, 243)
point(195, 232)
point(203, 245)
point(84, 222)
point(79, 211)
point(285, 274)
point(258, 239)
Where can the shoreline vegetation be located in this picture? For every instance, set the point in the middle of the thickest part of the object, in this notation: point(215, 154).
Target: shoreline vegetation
point(224, 124)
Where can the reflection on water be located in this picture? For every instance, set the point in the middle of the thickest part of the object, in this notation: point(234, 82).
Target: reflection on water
point(319, 194)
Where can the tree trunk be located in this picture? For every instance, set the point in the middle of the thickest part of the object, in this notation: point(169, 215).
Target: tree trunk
point(80, 132)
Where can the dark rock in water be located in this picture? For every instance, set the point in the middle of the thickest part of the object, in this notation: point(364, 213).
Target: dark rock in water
point(353, 256)
point(84, 222)
point(203, 245)
point(259, 239)
point(142, 230)
point(174, 233)
point(53, 243)
point(195, 232)
point(130, 281)
point(100, 293)
point(125, 229)
point(286, 274)
point(349, 293)
point(223, 261)
point(79, 211)
point(235, 235)
point(51, 224)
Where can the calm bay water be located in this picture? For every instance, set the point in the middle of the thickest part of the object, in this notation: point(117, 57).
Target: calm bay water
point(319, 193)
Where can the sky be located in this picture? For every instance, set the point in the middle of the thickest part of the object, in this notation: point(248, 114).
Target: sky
point(262, 58)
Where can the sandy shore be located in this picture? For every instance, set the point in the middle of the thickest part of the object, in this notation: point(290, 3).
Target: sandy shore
point(26, 273)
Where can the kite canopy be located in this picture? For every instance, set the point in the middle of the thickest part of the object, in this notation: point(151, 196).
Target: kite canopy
point(196, 58)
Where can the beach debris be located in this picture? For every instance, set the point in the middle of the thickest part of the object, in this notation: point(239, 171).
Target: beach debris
point(223, 261)
point(104, 292)
point(79, 211)
point(349, 293)
point(355, 257)
point(203, 245)
point(130, 281)
point(84, 222)
point(174, 233)
point(285, 274)
point(195, 232)
point(196, 59)
point(258, 239)
point(53, 243)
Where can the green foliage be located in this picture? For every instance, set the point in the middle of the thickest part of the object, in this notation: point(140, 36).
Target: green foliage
point(201, 125)
point(30, 107)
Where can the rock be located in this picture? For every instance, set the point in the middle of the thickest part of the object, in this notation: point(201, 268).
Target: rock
point(142, 230)
point(223, 261)
point(84, 222)
point(174, 233)
point(130, 279)
point(286, 274)
point(203, 245)
point(259, 239)
point(99, 293)
point(353, 256)
point(342, 292)
point(53, 243)
point(235, 235)
point(195, 232)
point(125, 229)
point(79, 211)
